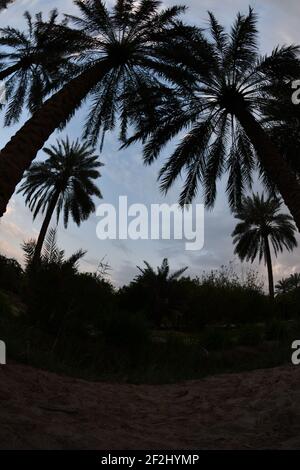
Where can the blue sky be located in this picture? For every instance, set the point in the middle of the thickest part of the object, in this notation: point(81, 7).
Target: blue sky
point(125, 174)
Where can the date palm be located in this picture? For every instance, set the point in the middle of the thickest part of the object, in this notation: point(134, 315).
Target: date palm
point(63, 182)
point(288, 284)
point(33, 62)
point(157, 283)
point(126, 51)
point(224, 118)
point(262, 224)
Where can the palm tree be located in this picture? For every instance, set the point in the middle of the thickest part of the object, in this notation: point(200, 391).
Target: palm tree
point(62, 182)
point(283, 286)
point(288, 284)
point(126, 52)
point(35, 61)
point(157, 284)
point(4, 4)
point(224, 117)
point(51, 253)
point(262, 223)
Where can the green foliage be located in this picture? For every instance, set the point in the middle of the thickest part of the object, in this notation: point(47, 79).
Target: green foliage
point(126, 331)
point(82, 326)
point(250, 335)
point(153, 292)
point(276, 330)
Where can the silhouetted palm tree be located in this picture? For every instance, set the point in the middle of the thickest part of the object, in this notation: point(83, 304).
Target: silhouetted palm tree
point(283, 286)
point(288, 284)
point(127, 52)
point(51, 253)
point(157, 284)
point(64, 181)
point(262, 224)
point(36, 61)
point(4, 4)
point(223, 117)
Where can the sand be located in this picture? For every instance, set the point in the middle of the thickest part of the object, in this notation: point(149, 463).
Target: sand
point(251, 410)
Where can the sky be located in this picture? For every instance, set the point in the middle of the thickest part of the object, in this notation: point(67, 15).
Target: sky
point(123, 172)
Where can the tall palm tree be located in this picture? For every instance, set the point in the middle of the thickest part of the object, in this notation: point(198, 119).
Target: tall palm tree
point(126, 52)
point(33, 62)
point(224, 117)
point(262, 224)
point(64, 181)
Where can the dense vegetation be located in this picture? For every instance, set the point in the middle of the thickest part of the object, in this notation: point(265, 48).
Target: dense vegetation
point(68, 321)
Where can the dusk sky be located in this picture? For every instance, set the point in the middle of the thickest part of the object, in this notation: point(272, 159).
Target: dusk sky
point(125, 174)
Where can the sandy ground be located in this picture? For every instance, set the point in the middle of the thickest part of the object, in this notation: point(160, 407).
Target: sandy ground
point(41, 410)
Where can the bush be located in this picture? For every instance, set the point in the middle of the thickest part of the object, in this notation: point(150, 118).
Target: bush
point(250, 335)
point(78, 305)
point(5, 308)
point(276, 330)
point(216, 338)
point(125, 330)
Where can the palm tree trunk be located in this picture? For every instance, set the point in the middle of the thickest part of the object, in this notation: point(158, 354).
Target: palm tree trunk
point(269, 266)
point(44, 229)
point(18, 154)
point(273, 162)
point(10, 70)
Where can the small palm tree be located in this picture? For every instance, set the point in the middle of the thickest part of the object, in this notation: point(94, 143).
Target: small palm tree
point(283, 286)
point(262, 224)
point(157, 284)
point(64, 181)
point(288, 284)
point(126, 52)
point(35, 61)
point(224, 116)
point(51, 254)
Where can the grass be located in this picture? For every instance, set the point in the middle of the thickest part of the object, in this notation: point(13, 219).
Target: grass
point(177, 359)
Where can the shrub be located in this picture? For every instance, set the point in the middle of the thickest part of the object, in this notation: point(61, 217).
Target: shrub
point(276, 330)
point(126, 330)
point(250, 335)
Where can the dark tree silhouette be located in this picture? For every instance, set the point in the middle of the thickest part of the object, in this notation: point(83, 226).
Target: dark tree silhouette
point(51, 254)
point(36, 61)
point(126, 52)
point(224, 117)
point(63, 182)
point(157, 284)
point(4, 4)
point(288, 284)
point(262, 224)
